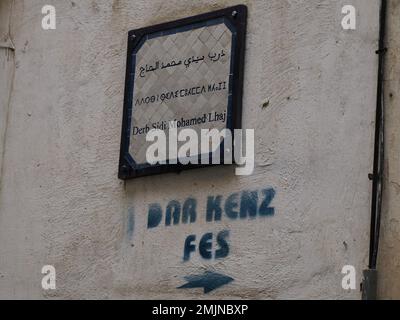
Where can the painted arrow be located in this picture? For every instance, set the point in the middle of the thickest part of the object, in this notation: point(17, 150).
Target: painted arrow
point(209, 281)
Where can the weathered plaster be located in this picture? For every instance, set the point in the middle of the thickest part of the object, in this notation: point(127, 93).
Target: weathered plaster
point(62, 203)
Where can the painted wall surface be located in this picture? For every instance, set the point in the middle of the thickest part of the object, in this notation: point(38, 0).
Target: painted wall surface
point(62, 204)
point(389, 246)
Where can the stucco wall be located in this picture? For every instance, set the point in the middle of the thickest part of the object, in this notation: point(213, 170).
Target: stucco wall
point(62, 204)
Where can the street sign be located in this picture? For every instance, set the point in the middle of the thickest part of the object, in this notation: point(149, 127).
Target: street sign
point(181, 74)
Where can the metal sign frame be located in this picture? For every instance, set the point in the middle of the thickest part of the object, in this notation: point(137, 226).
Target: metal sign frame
point(235, 19)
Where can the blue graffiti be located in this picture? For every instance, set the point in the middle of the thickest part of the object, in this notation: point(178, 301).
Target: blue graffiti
point(236, 206)
point(265, 209)
point(189, 210)
point(174, 210)
point(206, 246)
point(244, 205)
point(214, 208)
point(189, 247)
point(172, 213)
point(131, 222)
point(209, 281)
point(223, 250)
point(154, 216)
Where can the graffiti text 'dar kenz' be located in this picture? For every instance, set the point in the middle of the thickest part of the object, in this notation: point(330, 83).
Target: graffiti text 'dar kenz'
point(239, 205)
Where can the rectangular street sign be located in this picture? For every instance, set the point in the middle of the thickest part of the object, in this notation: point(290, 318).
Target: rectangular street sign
point(181, 74)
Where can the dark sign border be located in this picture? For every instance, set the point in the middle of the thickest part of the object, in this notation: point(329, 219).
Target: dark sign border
point(236, 16)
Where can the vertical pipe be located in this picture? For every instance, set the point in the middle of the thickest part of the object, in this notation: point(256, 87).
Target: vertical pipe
point(377, 176)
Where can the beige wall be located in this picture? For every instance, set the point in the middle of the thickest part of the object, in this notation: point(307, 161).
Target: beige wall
point(62, 204)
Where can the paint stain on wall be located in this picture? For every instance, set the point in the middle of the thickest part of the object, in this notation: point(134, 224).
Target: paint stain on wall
point(131, 222)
